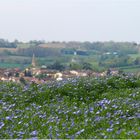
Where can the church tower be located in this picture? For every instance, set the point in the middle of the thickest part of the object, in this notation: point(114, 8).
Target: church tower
point(33, 61)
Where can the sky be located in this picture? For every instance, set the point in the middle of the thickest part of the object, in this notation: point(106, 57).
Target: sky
point(70, 20)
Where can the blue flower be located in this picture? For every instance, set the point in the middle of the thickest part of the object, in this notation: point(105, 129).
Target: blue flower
point(1, 124)
point(34, 133)
point(109, 129)
point(79, 132)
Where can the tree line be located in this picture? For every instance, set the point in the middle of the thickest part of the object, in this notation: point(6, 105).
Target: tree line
point(7, 44)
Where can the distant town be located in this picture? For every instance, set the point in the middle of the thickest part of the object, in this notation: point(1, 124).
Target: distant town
point(42, 61)
point(42, 74)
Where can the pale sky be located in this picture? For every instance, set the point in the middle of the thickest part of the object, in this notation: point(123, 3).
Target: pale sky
point(70, 20)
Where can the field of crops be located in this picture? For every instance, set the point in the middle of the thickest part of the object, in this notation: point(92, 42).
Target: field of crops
point(78, 108)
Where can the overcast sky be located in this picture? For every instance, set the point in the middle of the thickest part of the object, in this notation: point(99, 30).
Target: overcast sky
point(70, 20)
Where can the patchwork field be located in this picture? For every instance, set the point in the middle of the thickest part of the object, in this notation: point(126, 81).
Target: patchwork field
point(131, 69)
point(79, 108)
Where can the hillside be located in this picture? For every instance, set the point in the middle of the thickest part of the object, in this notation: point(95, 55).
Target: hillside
point(98, 56)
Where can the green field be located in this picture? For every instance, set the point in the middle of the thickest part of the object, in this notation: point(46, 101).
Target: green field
point(89, 108)
point(131, 69)
point(13, 65)
point(9, 65)
point(134, 56)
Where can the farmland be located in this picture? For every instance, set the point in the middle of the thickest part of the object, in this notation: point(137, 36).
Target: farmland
point(106, 107)
point(98, 56)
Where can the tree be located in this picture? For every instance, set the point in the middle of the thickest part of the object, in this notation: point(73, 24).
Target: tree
point(137, 61)
point(6, 44)
point(75, 66)
point(87, 66)
point(57, 66)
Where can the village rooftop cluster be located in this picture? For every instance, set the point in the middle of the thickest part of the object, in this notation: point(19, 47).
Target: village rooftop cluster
point(42, 74)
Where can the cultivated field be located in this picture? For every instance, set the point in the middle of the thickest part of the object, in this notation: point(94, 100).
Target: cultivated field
point(8, 49)
point(78, 108)
point(53, 45)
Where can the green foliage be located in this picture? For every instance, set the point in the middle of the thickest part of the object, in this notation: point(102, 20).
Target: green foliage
point(42, 76)
point(57, 66)
point(38, 51)
point(115, 61)
point(93, 108)
point(75, 66)
point(36, 42)
point(7, 44)
point(22, 80)
point(137, 61)
point(28, 73)
point(87, 66)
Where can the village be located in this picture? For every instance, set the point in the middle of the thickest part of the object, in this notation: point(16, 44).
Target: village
point(42, 74)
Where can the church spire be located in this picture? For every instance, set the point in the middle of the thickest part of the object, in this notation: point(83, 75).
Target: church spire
point(33, 60)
